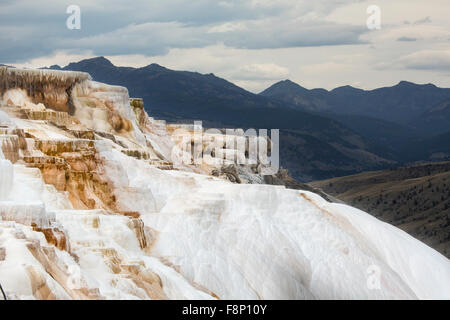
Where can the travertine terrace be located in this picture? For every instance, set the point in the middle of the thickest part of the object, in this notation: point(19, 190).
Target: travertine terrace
point(92, 207)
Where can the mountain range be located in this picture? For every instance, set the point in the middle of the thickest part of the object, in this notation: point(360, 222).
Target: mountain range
point(323, 134)
point(405, 103)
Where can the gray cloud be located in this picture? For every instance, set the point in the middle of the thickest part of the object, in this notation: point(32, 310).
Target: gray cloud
point(158, 38)
point(34, 29)
point(407, 39)
point(280, 33)
point(436, 60)
point(424, 20)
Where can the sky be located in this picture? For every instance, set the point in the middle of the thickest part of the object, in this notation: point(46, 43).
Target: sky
point(252, 43)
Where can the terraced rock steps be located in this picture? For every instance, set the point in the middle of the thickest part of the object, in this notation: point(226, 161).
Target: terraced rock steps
point(138, 154)
point(57, 117)
point(13, 143)
point(57, 147)
point(161, 164)
point(91, 236)
point(14, 111)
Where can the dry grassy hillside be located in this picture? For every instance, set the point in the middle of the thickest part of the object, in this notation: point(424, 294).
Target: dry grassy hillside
point(415, 199)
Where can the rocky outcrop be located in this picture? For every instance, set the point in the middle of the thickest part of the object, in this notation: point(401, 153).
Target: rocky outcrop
point(47, 87)
point(230, 172)
point(142, 118)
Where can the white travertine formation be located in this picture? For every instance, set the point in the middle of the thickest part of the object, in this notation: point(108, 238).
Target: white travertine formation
point(87, 213)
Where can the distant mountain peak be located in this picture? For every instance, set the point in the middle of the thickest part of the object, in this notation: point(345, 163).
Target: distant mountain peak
point(406, 83)
point(155, 67)
point(284, 85)
point(102, 60)
point(99, 61)
point(55, 67)
point(288, 82)
point(346, 89)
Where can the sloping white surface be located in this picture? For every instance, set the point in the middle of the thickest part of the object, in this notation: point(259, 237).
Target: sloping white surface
point(207, 238)
point(256, 241)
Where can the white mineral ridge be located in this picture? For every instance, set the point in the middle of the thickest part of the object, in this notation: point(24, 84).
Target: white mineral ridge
point(258, 241)
point(209, 238)
point(237, 241)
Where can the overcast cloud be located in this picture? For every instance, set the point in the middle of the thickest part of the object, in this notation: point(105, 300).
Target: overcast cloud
point(250, 42)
